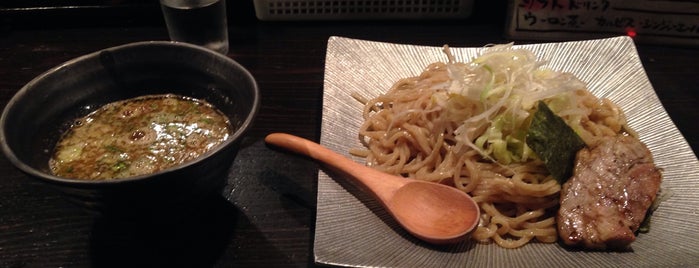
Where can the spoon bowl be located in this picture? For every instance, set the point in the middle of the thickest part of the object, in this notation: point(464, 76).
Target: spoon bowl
point(432, 212)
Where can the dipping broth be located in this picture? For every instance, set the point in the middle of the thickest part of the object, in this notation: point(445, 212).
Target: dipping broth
point(138, 136)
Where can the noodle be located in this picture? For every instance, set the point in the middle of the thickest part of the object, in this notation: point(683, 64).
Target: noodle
point(420, 129)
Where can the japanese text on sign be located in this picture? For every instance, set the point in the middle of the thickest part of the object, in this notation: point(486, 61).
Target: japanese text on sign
point(647, 17)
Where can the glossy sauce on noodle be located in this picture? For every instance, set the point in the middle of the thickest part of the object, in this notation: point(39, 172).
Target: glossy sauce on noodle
point(138, 136)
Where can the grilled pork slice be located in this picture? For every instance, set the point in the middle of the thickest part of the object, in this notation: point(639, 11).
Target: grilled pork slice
point(605, 201)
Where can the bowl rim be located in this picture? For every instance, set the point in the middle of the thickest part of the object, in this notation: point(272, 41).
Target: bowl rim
point(35, 173)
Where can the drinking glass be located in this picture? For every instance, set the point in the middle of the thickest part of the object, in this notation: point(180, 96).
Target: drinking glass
point(199, 22)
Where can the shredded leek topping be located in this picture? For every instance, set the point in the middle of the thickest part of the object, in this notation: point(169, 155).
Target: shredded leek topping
point(507, 82)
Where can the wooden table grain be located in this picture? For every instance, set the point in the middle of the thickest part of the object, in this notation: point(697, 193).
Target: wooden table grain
point(265, 216)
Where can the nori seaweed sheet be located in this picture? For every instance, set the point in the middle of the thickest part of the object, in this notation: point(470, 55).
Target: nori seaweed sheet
point(554, 142)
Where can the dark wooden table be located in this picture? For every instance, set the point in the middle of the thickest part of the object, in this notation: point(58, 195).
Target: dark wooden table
point(266, 215)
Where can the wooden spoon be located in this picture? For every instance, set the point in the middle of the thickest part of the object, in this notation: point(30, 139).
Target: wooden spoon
point(435, 213)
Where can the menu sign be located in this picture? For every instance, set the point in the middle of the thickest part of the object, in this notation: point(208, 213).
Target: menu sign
point(650, 21)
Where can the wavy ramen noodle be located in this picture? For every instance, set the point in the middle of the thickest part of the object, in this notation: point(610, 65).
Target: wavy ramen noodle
point(463, 124)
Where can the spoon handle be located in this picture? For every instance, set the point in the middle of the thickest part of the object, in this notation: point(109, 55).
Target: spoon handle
point(382, 185)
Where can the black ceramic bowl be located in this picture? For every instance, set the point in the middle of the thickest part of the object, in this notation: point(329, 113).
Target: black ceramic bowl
point(34, 119)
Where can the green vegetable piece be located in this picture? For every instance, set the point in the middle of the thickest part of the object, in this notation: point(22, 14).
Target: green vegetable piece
point(554, 142)
point(645, 224)
point(119, 166)
point(663, 194)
